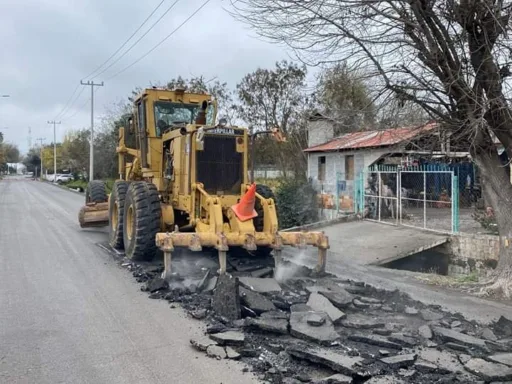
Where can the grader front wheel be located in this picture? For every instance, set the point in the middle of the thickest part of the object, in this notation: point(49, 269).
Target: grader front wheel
point(96, 192)
point(116, 214)
point(141, 220)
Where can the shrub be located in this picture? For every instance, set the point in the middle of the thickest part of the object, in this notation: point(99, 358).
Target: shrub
point(296, 203)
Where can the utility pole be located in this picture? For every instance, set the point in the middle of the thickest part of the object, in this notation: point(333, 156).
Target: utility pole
point(41, 139)
point(91, 146)
point(54, 150)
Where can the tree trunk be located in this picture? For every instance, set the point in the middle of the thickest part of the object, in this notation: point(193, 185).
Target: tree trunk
point(497, 191)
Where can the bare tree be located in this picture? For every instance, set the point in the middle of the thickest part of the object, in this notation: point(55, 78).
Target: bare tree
point(449, 57)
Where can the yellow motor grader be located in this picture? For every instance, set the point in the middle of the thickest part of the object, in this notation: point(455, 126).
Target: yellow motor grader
point(183, 183)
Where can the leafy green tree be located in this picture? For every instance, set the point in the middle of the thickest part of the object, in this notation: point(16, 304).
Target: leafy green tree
point(296, 203)
point(32, 160)
point(270, 98)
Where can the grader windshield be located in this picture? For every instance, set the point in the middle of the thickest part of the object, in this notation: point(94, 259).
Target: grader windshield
point(168, 114)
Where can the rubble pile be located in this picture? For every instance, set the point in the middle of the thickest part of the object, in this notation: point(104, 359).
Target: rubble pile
point(320, 329)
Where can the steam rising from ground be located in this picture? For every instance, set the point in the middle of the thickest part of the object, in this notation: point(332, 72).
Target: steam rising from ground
point(285, 271)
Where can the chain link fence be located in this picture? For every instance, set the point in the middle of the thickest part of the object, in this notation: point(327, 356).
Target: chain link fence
point(422, 197)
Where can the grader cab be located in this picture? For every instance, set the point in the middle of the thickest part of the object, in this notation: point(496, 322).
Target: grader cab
point(183, 183)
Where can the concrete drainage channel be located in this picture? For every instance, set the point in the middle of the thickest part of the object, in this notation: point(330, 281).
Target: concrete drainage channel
point(306, 328)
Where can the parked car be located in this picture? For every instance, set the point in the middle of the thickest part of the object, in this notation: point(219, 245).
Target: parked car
point(64, 178)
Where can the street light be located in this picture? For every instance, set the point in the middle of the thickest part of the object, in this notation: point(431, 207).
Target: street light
point(6, 96)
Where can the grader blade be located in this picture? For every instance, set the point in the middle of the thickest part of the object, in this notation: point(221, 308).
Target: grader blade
point(93, 215)
point(167, 242)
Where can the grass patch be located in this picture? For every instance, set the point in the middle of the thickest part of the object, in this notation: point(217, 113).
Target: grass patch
point(82, 185)
point(449, 281)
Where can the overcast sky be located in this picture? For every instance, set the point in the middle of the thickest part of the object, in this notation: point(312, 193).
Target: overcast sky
point(48, 46)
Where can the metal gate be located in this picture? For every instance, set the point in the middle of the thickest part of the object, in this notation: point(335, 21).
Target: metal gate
point(420, 197)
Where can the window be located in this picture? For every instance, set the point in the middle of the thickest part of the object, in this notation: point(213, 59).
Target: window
point(167, 114)
point(349, 167)
point(321, 168)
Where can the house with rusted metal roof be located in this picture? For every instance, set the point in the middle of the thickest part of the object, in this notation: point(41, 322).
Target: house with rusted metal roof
point(335, 162)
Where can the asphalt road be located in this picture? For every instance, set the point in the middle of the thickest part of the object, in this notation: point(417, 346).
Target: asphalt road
point(70, 314)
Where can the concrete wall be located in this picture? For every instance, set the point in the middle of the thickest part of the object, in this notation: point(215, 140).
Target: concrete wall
point(335, 163)
point(473, 253)
point(320, 131)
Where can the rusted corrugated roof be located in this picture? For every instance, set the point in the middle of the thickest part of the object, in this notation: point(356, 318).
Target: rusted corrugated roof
point(369, 139)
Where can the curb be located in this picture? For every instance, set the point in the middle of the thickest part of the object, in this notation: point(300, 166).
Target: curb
point(324, 223)
point(62, 187)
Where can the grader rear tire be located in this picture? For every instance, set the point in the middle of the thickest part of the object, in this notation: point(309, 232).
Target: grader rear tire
point(266, 193)
point(141, 220)
point(116, 214)
point(96, 192)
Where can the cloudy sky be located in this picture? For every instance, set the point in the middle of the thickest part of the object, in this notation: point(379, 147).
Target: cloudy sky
point(48, 46)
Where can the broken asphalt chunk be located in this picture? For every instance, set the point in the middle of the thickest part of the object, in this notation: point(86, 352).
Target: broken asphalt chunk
point(202, 343)
point(334, 379)
point(229, 338)
point(400, 361)
point(425, 332)
point(459, 338)
point(275, 315)
point(384, 380)
point(156, 284)
point(401, 339)
point(261, 285)
point(504, 326)
point(316, 318)
point(425, 366)
point(232, 354)
point(255, 301)
point(226, 300)
point(340, 299)
point(445, 361)
point(210, 284)
point(299, 327)
point(375, 340)
point(263, 272)
point(503, 358)
point(488, 371)
point(429, 315)
point(361, 322)
point(320, 303)
point(216, 352)
point(411, 311)
point(273, 325)
point(199, 314)
point(488, 334)
point(346, 365)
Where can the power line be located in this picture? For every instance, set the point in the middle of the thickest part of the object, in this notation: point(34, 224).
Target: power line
point(73, 102)
point(126, 41)
point(80, 107)
point(67, 103)
point(138, 40)
point(162, 41)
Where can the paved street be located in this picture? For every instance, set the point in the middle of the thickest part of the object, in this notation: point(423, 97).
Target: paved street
point(70, 314)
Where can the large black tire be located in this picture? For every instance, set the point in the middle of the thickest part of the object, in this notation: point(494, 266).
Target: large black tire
point(267, 193)
point(141, 220)
point(96, 192)
point(116, 214)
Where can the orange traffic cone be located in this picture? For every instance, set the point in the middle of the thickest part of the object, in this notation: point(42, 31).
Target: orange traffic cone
point(244, 210)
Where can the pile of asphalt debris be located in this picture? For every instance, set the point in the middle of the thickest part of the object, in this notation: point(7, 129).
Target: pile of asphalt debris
point(300, 327)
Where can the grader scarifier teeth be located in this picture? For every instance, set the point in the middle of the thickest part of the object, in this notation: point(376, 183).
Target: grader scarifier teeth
point(167, 242)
